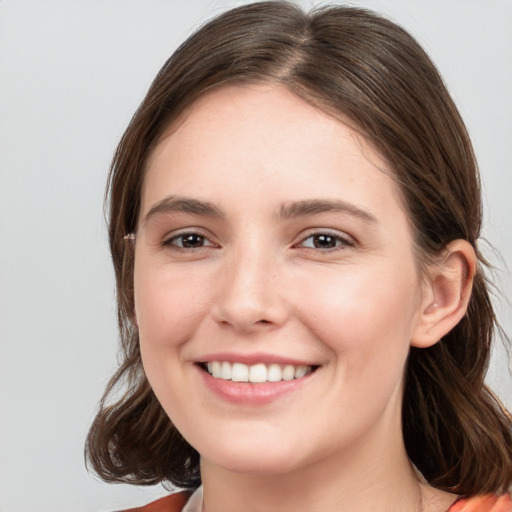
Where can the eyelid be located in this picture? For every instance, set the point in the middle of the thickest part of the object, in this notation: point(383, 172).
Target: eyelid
point(171, 237)
point(346, 239)
point(342, 237)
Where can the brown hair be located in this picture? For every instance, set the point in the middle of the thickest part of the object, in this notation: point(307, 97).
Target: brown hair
point(353, 63)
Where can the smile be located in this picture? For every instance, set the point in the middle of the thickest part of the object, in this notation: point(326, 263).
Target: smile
point(257, 373)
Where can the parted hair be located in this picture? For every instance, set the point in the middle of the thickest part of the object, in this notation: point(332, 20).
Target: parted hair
point(358, 66)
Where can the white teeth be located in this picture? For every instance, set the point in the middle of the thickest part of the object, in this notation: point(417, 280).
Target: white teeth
point(239, 372)
point(288, 372)
point(215, 371)
point(300, 371)
point(225, 371)
point(258, 373)
point(274, 373)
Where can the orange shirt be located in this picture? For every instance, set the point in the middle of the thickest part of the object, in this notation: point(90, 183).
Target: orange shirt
point(487, 503)
point(172, 503)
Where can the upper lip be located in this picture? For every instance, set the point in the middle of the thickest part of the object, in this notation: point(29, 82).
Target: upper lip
point(254, 358)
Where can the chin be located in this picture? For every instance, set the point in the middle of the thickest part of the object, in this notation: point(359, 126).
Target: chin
point(256, 457)
point(256, 465)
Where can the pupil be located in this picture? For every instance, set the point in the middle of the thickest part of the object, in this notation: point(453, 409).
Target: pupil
point(192, 241)
point(323, 241)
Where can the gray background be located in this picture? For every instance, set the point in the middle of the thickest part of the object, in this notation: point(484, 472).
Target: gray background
point(71, 74)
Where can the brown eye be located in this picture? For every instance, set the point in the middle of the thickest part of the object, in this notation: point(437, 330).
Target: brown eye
point(188, 241)
point(325, 241)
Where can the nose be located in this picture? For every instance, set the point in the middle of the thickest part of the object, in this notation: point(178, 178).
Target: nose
point(249, 297)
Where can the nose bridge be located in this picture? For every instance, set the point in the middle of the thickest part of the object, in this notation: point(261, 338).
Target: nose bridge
point(248, 293)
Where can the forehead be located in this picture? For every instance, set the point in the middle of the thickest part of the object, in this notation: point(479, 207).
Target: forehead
point(262, 137)
point(253, 105)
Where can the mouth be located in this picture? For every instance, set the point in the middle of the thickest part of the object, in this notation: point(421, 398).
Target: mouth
point(256, 373)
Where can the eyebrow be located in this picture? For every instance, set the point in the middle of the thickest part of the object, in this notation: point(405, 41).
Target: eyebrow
point(289, 210)
point(316, 206)
point(183, 204)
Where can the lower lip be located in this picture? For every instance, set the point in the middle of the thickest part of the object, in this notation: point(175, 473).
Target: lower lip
point(249, 393)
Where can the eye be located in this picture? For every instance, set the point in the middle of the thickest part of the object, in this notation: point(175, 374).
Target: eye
point(190, 240)
point(326, 241)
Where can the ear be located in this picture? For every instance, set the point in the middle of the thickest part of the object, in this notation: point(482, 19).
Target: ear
point(446, 292)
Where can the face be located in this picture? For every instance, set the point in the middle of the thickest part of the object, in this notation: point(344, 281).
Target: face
point(276, 289)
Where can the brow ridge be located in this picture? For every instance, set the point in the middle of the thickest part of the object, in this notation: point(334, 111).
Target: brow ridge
point(316, 206)
point(287, 211)
point(183, 204)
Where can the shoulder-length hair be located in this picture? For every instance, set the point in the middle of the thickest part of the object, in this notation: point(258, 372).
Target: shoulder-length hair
point(357, 65)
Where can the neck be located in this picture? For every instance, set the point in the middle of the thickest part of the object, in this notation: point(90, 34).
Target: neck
point(370, 474)
point(361, 480)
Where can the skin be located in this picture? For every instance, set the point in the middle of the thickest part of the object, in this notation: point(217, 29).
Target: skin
point(258, 281)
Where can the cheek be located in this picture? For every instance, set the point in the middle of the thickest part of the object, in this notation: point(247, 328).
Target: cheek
point(366, 318)
point(168, 308)
point(168, 305)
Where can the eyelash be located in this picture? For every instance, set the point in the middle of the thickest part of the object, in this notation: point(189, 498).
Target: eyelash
point(170, 242)
point(341, 242)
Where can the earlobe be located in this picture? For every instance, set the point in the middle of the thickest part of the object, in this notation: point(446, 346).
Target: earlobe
point(446, 295)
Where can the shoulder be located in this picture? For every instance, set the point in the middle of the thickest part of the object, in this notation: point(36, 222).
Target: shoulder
point(487, 503)
point(172, 503)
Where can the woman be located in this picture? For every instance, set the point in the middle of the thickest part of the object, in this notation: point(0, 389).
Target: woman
point(306, 325)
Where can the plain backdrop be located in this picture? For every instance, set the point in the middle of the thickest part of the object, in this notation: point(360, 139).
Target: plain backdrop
point(72, 72)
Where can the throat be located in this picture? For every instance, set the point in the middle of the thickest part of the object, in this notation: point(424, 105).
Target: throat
point(308, 490)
